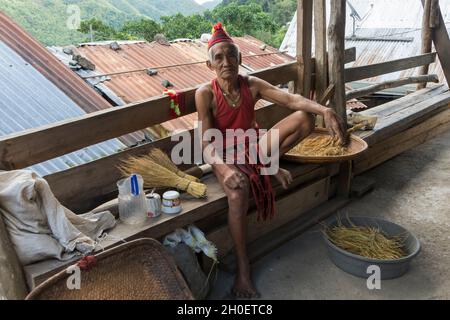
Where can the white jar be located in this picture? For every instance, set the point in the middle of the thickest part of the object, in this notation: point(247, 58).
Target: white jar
point(171, 202)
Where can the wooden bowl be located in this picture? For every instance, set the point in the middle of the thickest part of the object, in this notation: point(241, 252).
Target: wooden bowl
point(355, 148)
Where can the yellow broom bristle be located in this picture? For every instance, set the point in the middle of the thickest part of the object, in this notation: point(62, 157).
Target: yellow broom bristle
point(158, 176)
point(160, 157)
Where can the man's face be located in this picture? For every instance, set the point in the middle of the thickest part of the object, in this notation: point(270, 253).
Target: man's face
point(225, 60)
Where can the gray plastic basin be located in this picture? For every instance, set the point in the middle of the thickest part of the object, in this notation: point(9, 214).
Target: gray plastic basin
point(358, 265)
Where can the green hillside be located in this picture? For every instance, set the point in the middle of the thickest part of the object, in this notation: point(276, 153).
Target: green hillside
point(47, 19)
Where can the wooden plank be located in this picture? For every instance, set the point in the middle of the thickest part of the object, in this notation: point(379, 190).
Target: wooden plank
point(362, 92)
point(303, 46)
point(441, 40)
point(320, 51)
point(402, 103)
point(426, 40)
point(262, 246)
point(94, 183)
point(403, 141)
point(32, 146)
point(388, 109)
point(344, 178)
point(287, 209)
point(336, 45)
point(406, 118)
point(376, 69)
point(361, 185)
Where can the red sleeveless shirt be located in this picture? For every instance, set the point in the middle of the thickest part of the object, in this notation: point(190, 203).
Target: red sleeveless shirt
point(239, 117)
point(243, 117)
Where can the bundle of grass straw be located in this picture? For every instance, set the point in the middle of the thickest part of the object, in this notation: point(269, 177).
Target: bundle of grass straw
point(319, 146)
point(366, 241)
point(156, 175)
point(158, 156)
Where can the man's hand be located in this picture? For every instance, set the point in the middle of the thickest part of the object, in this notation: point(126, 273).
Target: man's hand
point(234, 179)
point(335, 125)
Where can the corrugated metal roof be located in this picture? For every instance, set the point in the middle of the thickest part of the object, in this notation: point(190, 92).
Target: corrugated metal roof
point(29, 100)
point(137, 86)
point(59, 74)
point(386, 19)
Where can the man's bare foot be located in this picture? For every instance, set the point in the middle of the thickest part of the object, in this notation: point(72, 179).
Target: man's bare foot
point(284, 177)
point(243, 288)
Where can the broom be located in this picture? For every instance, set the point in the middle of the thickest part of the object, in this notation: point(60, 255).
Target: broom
point(158, 176)
point(158, 156)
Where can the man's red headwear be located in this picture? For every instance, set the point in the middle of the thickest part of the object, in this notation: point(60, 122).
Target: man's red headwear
point(219, 35)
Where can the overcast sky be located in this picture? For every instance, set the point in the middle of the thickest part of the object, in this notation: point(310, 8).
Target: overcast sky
point(201, 1)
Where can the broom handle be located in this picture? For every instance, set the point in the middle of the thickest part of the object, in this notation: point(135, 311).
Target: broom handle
point(199, 171)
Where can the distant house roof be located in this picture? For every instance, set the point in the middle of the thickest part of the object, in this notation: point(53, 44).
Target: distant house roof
point(387, 30)
point(182, 62)
point(29, 100)
point(83, 95)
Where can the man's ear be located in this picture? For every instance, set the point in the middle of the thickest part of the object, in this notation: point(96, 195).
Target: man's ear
point(240, 58)
point(208, 64)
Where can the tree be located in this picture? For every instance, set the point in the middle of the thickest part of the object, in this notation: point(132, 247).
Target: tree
point(179, 26)
point(101, 31)
point(244, 19)
point(142, 29)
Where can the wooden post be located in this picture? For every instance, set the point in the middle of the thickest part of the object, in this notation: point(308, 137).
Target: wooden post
point(440, 38)
point(336, 41)
point(320, 48)
point(304, 36)
point(426, 40)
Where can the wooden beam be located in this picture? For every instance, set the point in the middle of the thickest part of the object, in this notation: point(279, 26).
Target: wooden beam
point(376, 69)
point(434, 13)
point(327, 94)
point(441, 40)
point(426, 40)
point(405, 140)
point(336, 35)
point(303, 46)
point(349, 55)
point(32, 146)
point(320, 51)
point(362, 92)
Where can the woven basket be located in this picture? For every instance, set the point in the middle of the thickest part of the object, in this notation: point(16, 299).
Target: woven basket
point(137, 270)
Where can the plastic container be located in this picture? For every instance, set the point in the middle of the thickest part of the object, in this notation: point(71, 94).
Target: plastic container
point(171, 203)
point(357, 265)
point(153, 205)
point(132, 201)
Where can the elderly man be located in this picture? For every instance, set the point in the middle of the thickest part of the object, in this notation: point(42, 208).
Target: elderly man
point(228, 103)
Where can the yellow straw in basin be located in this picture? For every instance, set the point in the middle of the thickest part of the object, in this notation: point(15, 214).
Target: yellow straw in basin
point(366, 241)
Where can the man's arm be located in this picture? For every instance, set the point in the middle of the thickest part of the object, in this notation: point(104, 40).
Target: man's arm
point(296, 102)
point(203, 100)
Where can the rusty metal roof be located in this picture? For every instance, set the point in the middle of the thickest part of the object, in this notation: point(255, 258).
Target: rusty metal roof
point(60, 75)
point(29, 100)
point(182, 63)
